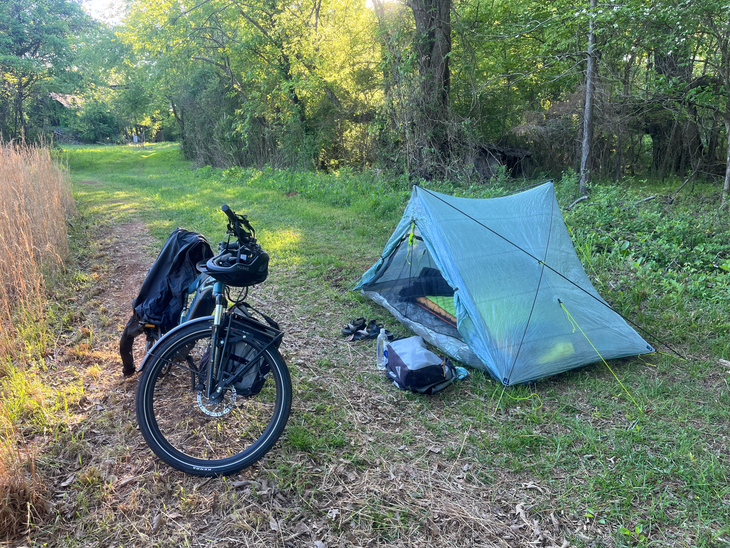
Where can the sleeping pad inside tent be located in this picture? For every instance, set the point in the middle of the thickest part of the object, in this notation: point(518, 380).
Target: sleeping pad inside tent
point(496, 284)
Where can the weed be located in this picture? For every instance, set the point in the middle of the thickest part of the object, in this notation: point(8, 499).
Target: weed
point(315, 432)
point(94, 372)
point(35, 204)
point(28, 400)
point(90, 476)
point(635, 537)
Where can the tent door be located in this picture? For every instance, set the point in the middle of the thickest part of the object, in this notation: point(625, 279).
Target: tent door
point(412, 283)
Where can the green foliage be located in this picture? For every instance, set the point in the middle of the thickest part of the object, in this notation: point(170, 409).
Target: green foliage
point(35, 53)
point(96, 123)
point(364, 192)
point(324, 86)
point(658, 262)
point(375, 191)
point(266, 83)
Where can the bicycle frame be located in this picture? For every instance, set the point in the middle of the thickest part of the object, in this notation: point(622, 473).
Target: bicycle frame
point(222, 350)
point(200, 305)
point(215, 384)
point(219, 290)
point(210, 292)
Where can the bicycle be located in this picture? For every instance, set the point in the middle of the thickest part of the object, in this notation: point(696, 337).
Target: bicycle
point(215, 393)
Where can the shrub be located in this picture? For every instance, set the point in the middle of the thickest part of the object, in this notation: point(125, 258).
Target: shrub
point(96, 124)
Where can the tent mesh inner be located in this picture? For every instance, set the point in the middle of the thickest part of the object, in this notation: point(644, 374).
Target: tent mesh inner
point(411, 282)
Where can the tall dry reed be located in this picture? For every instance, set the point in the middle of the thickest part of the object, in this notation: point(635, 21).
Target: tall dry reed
point(35, 202)
point(21, 489)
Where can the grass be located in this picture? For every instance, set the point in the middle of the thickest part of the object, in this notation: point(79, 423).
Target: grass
point(35, 204)
point(361, 462)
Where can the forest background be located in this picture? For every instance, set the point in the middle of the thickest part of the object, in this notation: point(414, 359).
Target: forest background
point(463, 90)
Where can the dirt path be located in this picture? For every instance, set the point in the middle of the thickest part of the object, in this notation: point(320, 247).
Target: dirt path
point(130, 262)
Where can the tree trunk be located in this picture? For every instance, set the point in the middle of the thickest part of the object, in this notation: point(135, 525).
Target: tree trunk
point(694, 149)
point(726, 186)
point(712, 145)
point(588, 111)
point(670, 152)
point(433, 46)
point(179, 115)
point(18, 109)
point(626, 81)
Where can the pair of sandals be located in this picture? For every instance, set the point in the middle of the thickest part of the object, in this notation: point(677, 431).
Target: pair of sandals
point(360, 329)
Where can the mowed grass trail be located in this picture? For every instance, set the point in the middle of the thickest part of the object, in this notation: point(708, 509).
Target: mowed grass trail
point(164, 192)
point(568, 461)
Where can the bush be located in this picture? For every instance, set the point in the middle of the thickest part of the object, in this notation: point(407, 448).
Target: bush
point(96, 123)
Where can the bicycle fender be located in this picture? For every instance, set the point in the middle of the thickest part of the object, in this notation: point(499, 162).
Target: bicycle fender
point(169, 335)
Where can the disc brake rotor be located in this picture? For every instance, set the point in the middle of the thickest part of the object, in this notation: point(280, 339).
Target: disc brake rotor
point(218, 408)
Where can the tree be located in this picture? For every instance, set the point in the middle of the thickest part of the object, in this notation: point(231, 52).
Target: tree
point(588, 111)
point(433, 49)
point(712, 89)
point(423, 85)
point(692, 67)
point(286, 75)
point(35, 48)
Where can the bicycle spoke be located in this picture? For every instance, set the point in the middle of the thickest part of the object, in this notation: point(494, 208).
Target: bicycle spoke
point(178, 365)
point(215, 395)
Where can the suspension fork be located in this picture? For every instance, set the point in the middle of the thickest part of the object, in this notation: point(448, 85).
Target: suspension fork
point(216, 350)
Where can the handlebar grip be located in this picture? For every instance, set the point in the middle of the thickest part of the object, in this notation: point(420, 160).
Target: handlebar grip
point(229, 213)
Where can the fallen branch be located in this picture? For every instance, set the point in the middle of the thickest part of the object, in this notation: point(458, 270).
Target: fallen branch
point(645, 200)
point(639, 202)
point(574, 203)
point(687, 180)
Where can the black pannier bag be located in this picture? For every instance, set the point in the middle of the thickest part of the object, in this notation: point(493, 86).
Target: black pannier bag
point(411, 366)
point(254, 379)
point(163, 293)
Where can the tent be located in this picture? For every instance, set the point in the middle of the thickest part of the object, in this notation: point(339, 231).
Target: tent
point(496, 284)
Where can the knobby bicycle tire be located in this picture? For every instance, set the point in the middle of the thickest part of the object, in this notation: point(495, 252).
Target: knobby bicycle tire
point(179, 423)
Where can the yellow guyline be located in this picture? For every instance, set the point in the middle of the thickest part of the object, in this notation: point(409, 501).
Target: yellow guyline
point(575, 324)
point(410, 242)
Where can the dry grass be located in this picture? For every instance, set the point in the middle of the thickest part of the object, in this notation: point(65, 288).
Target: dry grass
point(21, 491)
point(35, 201)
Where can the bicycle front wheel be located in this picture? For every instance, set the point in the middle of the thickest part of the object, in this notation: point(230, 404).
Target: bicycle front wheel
point(218, 436)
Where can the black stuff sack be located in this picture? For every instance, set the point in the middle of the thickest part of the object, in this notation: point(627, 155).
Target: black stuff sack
point(411, 366)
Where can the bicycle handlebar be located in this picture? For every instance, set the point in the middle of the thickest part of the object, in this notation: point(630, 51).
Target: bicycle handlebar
point(235, 221)
point(229, 213)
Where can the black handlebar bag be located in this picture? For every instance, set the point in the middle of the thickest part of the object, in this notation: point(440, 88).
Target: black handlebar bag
point(162, 295)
